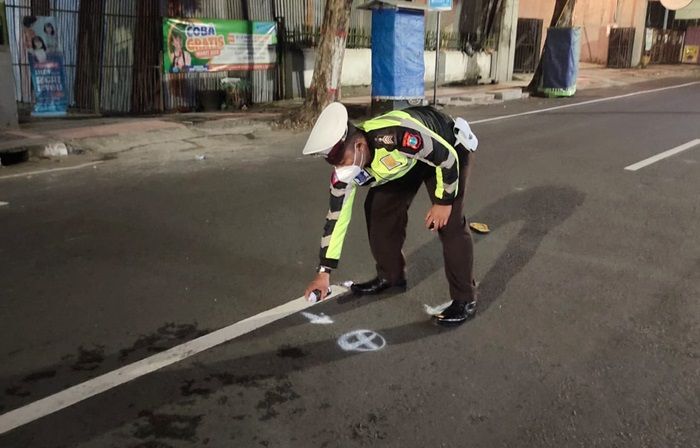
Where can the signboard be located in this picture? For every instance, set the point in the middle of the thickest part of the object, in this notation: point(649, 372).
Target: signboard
point(210, 45)
point(648, 39)
point(690, 54)
point(440, 5)
point(40, 39)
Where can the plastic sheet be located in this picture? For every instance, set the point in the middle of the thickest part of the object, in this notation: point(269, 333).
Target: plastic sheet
point(561, 61)
point(397, 54)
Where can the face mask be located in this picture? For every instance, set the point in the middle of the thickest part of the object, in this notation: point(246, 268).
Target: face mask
point(346, 174)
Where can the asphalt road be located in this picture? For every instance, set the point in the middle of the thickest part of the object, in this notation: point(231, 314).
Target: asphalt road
point(588, 332)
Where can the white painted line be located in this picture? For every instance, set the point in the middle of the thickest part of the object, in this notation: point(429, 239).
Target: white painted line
point(583, 103)
point(2, 204)
point(435, 310)
point(52, 170)
point(102, 383)
point(317, 319)
point(663, 155)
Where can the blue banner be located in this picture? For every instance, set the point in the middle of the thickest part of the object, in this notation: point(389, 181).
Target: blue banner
point(397, 54)
point(560, 60)
point(49, 81)
point(40, 39)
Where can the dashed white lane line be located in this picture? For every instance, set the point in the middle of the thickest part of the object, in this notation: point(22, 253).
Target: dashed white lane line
point(52, 170)
point(583, 103)
point(102, 383)
point(663, 155)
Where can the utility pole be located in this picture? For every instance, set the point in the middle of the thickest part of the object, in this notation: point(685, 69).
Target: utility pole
point(437, 60)
point(437, 6)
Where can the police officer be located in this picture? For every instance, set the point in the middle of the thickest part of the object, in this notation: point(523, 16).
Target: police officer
point(394, 154)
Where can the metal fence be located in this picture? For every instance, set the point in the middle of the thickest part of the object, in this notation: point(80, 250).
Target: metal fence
point(620, 46)
point(527, 45)
point(113, 49)
point(667, 46)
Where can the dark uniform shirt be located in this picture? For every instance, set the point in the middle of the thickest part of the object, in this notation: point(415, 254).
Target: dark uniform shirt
point(397, 141)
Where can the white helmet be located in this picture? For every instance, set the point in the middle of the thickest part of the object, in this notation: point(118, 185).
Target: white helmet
point(331, 128)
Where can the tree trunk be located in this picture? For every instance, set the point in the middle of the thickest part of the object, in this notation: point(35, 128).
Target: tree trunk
point(562, 17)
point(325, 84)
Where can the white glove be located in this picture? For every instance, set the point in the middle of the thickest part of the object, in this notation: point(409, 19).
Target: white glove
point(464, 135)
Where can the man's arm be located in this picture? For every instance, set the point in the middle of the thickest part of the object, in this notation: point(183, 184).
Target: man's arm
point(337, 221)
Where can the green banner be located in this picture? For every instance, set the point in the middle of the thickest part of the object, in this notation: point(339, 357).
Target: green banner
point(210, 45)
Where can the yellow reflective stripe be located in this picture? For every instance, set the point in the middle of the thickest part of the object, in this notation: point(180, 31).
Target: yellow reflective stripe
point(439, 189)
point(335, 247)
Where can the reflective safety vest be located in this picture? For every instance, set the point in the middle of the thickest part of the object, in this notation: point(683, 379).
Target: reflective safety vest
point(398, 141)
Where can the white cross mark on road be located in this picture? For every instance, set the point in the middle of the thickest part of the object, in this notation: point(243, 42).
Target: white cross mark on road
point(361, 341)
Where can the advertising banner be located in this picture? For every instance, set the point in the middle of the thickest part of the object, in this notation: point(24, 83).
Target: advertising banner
point(210, 45)
point(46, 66)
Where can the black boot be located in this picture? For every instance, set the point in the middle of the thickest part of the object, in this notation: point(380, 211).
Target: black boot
point(457, 313)
point(376, 286)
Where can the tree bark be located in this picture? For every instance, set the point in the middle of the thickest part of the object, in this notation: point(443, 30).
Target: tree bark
point(325, 84)
point(562, 17)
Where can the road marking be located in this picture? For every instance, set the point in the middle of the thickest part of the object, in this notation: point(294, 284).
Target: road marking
point(102, 383)
point(435, 310)
point(361, 341)
point(583, 103)
point(52, 170)
point(2, 204)
point(318, 319)
point(663, 155)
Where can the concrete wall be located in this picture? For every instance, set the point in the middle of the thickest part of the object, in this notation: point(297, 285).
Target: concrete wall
point(506, 41)
point(596, 18)
point(455, 66)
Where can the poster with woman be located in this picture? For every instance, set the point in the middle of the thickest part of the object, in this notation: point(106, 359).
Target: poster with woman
point(46, 65)
point(209, 45)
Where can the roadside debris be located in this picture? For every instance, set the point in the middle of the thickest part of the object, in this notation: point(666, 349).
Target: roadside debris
point(479, 227)
point(58, 149)
point(201, 157)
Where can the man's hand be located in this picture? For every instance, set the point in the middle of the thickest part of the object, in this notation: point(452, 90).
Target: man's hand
point(321, 282)
point(437, 216)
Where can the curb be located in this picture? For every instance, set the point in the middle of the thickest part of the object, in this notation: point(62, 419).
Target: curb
point(489, 97)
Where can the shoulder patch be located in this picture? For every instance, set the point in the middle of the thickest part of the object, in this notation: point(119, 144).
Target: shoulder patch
point(388, 139)
point(412, 140)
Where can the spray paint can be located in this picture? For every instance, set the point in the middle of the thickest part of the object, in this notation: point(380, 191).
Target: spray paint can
point(315, 295)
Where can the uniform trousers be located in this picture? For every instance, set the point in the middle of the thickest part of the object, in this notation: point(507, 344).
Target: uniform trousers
point(386, 212)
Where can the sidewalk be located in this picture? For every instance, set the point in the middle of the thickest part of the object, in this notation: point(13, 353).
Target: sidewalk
point(113, 135)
